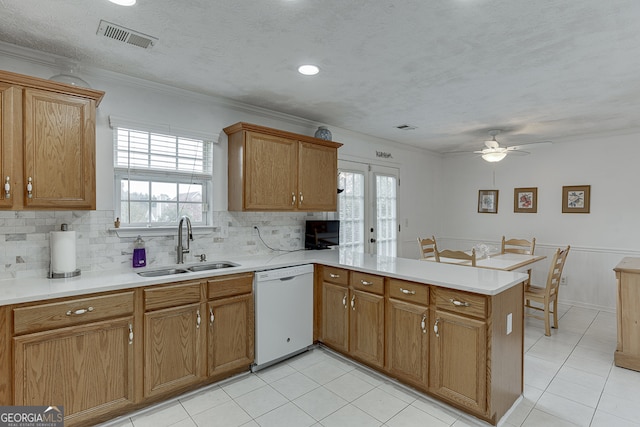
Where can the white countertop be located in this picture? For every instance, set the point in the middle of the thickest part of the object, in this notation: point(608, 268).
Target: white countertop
point(478, 280)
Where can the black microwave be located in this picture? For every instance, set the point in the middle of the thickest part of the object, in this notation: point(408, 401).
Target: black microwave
point(321, 234)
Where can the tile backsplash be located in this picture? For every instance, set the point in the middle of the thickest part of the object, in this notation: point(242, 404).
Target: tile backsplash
point(25, 239)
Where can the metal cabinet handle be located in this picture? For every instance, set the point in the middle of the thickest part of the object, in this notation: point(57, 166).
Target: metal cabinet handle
point(198, 319)
point(301, 198)
point(353, 302)
point(79, 311)
point(423, 324)
point(436, 329)
point(293, 199)
point(334, 276)
point(29, 188)
point(212, 317)
point(407, 291)
point(7, 188)
point(344, 300)
point(364, 282)
point(459, 303)
point(130, 333)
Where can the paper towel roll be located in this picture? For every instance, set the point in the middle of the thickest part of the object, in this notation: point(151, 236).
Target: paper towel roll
point(63, 251)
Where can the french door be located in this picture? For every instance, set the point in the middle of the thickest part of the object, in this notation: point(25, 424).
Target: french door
point(368, 208)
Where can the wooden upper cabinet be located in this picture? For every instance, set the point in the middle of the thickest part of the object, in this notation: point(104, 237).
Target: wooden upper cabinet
point(49, 134)
point(273, 170)
point(10, 132)
point(59, 150)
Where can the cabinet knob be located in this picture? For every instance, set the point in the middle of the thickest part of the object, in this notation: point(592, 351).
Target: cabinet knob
point(423, 324)
point(344, 300)
point(436, 329)
point(7, 188)
point(366, 283)
point(212, 317)
point(198, 319)
point(301, 198)
point(293, 199)
point(130, 333)
point(29, 188)
point(459, 303)
point(79, 311)
point(353, 302)
point(407, 291)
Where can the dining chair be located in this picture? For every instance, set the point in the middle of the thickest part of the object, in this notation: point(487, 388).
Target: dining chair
point(519, 246)
point(427, 247)
point(548, 294)
point(447, 253)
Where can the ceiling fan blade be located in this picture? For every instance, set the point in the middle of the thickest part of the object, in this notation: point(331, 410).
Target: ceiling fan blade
point(528, 146)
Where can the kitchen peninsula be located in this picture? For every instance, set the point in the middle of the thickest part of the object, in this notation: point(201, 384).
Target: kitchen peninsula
point(449, 309)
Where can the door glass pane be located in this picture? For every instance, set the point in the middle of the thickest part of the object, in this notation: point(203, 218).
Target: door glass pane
point(386, 223)
point(351, 210)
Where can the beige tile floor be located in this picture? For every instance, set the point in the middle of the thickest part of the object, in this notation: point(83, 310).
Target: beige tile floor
point(570, 380)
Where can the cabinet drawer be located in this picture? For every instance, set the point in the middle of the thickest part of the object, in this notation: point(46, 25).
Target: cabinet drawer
point(367, 282)
point(74, 311)
point(461, 302)
point(417, 293)
point(171, 295)
point(335, 275)
point(226, 286)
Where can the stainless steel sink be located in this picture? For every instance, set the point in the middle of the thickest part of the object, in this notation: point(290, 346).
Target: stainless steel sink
point(162, 272)
point(212, 266)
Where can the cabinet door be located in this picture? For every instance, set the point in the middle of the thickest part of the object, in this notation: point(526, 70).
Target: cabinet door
point(172, 346)
point(270, 168)
point(59, 150)
point(407, 341)
point(231, 334)
point(88, 369)
point(366, 333)
point(459, 360)
point(10, 133)
point(335, 316)
point(317, 177)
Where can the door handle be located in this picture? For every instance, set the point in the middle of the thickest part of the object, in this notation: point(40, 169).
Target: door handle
point(353, 302)
point(372, 240)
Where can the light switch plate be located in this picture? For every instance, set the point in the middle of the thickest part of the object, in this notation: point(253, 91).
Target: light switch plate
point(509, 323)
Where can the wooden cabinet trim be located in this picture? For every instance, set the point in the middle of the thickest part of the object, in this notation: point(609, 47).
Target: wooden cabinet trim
point(50, 85)
point(240, 126)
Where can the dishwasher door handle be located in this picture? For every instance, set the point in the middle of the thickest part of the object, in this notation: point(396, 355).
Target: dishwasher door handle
point(283, 279)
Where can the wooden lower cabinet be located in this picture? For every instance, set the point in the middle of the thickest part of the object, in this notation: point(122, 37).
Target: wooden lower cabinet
point(459, 360)
point(627, 354)
point(366, 327)
point(173, 339)
point(231, 334)
point(88, 369)
point(407, 342)
point(335, 316)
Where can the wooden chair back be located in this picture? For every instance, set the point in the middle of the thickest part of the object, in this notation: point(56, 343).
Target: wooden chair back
point(555, 271)
point(518, 246)
point(447, 253)
point(428, 247)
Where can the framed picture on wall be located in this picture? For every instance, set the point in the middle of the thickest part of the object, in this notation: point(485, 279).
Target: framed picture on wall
point(488, 201)
point(576, 198)
point(525, 200)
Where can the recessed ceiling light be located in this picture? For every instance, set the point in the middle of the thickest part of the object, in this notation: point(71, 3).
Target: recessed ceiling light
point(308, 70)
point(124, 2)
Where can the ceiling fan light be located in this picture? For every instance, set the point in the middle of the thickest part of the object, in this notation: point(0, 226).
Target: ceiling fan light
point(494, 156)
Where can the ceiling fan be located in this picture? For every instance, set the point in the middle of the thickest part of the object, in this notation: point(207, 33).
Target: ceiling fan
point(493, 152)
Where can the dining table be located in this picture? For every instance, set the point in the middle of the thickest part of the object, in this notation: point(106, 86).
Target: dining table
point(507, 261)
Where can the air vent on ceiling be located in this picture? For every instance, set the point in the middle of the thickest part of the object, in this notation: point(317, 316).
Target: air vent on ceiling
point(125, 35)
point(405, 127)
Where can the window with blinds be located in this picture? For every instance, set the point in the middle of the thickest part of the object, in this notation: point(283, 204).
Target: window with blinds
point(159, 177)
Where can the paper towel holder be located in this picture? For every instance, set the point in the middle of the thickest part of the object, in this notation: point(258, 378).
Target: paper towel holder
point(52, 275)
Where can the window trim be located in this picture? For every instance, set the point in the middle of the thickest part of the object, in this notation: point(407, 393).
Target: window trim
point(133, 173)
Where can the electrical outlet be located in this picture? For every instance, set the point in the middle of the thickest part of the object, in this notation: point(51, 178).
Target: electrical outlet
point(563, 280)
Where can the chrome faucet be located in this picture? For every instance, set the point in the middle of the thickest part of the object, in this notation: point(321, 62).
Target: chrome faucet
point(181, 251)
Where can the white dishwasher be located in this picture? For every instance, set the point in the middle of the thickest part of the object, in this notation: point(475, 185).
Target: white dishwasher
point(284, 313)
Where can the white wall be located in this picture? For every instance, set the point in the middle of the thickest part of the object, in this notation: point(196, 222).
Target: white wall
point(598, 240)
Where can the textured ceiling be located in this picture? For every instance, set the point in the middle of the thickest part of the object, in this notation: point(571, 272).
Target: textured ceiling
point(539, 70)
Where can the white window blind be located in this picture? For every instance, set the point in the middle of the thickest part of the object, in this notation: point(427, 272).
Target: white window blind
point(159, 177)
